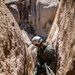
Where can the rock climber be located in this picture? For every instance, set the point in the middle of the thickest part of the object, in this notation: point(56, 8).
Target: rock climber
point(45, 59)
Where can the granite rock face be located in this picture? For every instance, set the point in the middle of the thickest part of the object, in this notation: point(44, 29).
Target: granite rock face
point(62, 37)
point(12, 47)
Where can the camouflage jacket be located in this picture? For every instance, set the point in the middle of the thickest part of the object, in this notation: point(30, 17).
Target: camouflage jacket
point(47, 55)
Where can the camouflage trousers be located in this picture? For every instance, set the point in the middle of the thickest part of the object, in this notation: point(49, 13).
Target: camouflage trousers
point(39, 71)
point(44, 71)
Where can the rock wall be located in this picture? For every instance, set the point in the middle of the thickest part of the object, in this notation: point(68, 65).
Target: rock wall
point(11, 45)
point(32, 17)
point(62, 37)
point(18, 9)
point(42, 15)
point(38, 14)
point(29, 57)
point(12, 5)
point(29, 62)
point(1, 2)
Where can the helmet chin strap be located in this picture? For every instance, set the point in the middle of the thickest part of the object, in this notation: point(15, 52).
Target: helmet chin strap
point(40, 43)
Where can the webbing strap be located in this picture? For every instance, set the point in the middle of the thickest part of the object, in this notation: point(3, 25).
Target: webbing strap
point(48, 70)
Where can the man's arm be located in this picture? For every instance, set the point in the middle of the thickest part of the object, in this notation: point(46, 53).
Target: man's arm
point(49, 54)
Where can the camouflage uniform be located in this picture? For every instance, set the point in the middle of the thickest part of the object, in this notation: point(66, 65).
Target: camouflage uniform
point(48, 56)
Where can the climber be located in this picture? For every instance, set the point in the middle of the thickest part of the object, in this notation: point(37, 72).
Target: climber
point(45, 55)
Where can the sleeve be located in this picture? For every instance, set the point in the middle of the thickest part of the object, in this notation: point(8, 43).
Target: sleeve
point(38, 59)
point(49, 54)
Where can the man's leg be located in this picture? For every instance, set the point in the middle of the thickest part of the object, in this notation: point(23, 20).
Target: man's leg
point(44, 71)
point(38, 71)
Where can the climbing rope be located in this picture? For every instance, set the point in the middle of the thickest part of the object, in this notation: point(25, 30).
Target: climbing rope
point(48, 70)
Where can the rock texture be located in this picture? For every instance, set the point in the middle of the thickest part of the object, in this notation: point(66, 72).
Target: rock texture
point(32, 17)
point(29, 62)
point(11, 45)
point(38, 14)
point(42, 15)
point(30, 47)
point(29, 65)
point(62, 37)
point(12, 5)
point(18, 9)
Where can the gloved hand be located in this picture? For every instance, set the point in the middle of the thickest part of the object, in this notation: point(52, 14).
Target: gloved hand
point(38, 64)
point(43, 66)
